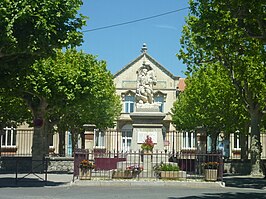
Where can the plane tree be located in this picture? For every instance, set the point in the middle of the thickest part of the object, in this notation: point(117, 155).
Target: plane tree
point(213, 35)
point(251, 16)
point(33, 29)
point(14, 111)
point(209, 102)
point(71, 83)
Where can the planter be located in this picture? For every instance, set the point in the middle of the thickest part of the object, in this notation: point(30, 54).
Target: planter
point(122, 174)
point(211, 174)
point(84, 174)
point(173, 174)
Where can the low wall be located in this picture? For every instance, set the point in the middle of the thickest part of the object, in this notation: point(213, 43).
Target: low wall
point(61, 165)
point(237, 167)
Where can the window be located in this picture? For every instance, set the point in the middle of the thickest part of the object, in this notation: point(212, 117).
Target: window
point(99, 138)
point(189, 140)
point(69, 143)
point(126, 139)
point(160, 99)
point(236, 141)
point(8, 139)
point(129, 104)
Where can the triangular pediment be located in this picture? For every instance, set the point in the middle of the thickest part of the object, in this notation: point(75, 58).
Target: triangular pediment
point(145, 56)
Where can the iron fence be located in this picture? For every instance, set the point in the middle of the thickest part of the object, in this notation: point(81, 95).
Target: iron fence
point(139, 165)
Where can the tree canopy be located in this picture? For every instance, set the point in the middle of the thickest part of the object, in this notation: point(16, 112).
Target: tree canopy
point(74, 82)
point(211, 102)
point(251, 15)
point(14, 111)
point(33, 29)
point(73, 87)
point(213, 35)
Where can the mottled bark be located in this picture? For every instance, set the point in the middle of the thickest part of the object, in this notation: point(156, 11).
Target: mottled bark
point(255, 145)
point(62, 144)
point(244, 144)
point(40, 146)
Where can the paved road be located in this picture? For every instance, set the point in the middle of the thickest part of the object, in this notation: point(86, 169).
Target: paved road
point(121, 192)
point(59, 187)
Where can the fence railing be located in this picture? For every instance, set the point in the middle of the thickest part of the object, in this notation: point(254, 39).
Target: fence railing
point(19, 143)
point(146, 165)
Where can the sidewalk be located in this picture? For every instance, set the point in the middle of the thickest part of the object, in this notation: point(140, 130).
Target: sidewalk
point(35, 180)
point(8, 180)
point(152, 182)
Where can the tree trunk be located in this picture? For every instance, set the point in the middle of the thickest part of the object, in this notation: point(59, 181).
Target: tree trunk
point(74, 137)
point(62, 143)
point(40, 146)
point(244, 143)
point(255, 147)
point(214, 136)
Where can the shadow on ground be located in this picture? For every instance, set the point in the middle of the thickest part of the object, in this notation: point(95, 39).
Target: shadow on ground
point(225, 195)
point(247, 182)
point(27, 182)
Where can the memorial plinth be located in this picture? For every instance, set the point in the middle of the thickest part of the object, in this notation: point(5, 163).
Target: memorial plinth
point(147, 121)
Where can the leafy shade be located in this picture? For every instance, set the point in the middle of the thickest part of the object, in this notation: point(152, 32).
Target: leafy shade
point(251, 16)
point(212, 35)
point(14, 111)
point(33, 29)
point(73, 87)
point(209, 101)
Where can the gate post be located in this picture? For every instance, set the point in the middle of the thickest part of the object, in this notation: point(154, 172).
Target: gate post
point(79, 155)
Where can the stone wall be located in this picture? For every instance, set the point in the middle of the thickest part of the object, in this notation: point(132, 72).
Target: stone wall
point(61, 164)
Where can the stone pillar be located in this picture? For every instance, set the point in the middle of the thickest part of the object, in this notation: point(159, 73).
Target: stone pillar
point(89, 135)
point(147, 166)
point(201, 141)
point(147, 123)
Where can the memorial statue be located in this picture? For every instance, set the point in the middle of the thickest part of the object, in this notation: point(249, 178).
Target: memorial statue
point(145, 81)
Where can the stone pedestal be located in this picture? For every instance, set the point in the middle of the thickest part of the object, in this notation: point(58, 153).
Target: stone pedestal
point(89, 135)
point(147, 124)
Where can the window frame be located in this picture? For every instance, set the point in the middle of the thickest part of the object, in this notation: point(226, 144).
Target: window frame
point(99, 139)
point(160, 99)
point(189, 140)
point(129, 103)
point(5, 137)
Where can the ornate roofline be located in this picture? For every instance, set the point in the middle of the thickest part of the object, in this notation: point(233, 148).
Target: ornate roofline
point(162, 68)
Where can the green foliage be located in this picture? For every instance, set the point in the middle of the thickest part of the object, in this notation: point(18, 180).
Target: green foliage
point(31, 29)
point(166, 167)
point(212, 35)
point(13, 111)
point(148, 144)
point(209, 101)
point(77, 87)
point(215, 35)
point(251, 16)
point(38, 26)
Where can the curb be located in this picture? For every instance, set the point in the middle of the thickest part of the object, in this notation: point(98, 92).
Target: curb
point(148, 183)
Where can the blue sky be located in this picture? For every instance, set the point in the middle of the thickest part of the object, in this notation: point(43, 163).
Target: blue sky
point(120, 45)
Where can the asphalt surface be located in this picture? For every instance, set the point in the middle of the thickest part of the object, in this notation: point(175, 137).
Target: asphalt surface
point(38, 180)
point(62, 186)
